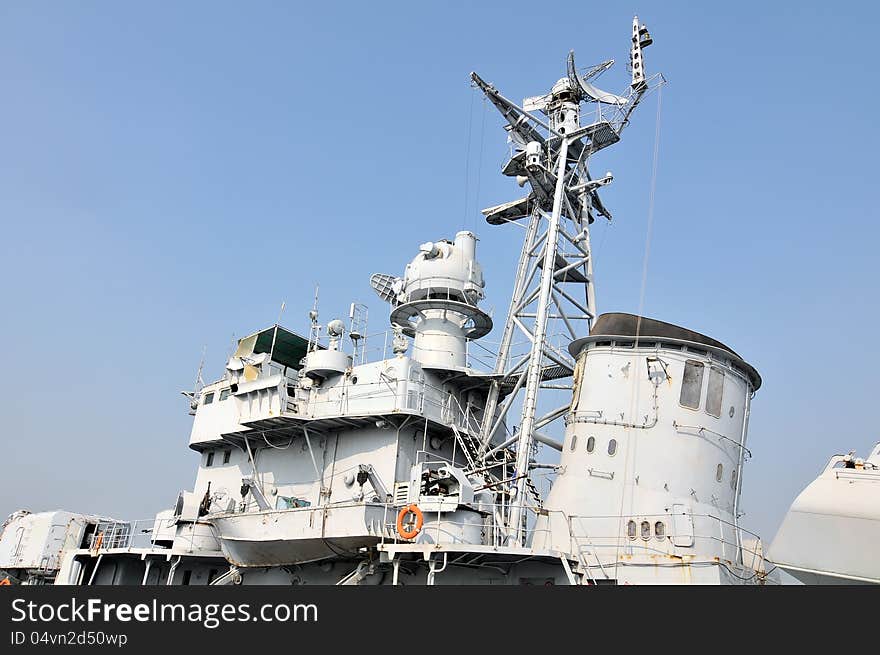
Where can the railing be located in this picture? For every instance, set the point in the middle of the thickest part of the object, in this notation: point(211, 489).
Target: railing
point(480, 354)
point(386, 395)
point(443, 526)
point(454, 291)
point(130, 535)
point(732, 550)
point(839, 467)
point(599, 552)
point(482, 360)
point(111, 534)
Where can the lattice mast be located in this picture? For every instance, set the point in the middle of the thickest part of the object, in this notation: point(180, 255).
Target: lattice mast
point(553, 300)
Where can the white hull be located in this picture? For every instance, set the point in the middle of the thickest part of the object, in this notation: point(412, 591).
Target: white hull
point(831, 532)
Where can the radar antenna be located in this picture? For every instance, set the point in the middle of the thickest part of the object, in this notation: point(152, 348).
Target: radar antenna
point(386, 286)
point(585, 91)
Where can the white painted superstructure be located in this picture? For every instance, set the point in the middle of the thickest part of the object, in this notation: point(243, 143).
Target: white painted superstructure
point(32, 545)
point(649, 480)
point(830, 533)
point(415, 463)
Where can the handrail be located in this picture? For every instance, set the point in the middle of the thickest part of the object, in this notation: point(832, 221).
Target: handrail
point(700, 429)
point(597, 543)
point(129, 535)
point(125, 535)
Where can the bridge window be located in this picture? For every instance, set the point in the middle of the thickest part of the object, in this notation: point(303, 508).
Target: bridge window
point(224, 394)
point(210, 460)
point(691, 384)
point(227, 454)
point(591, 444)
point(209, 398)
point(714, 392)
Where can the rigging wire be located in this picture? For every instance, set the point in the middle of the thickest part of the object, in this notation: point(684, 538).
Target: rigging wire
point(630, 447)
point(467, 157)
point(599, 248)
point(650, 211)
point(480, 163)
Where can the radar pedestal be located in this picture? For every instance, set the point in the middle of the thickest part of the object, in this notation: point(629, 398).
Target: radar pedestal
point(322, 364)
point(436, 301)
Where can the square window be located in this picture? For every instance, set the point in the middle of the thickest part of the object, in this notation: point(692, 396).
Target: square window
point(715, 392)
point(692, 384)
point(224, 394)
point(209, 398)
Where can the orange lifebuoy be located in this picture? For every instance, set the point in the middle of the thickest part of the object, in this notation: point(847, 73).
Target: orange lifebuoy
point(416, 528)
point(5, 582)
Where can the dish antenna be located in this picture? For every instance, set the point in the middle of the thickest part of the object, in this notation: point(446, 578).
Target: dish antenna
point(386, 286)
point(585, 91)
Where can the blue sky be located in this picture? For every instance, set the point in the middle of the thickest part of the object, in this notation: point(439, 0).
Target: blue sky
point(170, 174)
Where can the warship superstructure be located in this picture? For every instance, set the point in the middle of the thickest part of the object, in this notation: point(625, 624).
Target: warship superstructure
point(825, 537)
point(321, 464)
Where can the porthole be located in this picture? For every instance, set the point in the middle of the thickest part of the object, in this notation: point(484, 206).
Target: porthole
point(591, 444)
point(719, 472)
point(612, 447)
point(574, 441)
point(631, 529)
point(731, 412)
point(660, 529)
point(646, 530)
point(354, 379)
point(733, 479)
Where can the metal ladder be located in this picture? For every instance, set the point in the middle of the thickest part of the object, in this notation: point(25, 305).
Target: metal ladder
point(584, 567)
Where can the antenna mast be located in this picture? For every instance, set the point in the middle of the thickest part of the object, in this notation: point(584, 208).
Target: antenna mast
point(197, 386)
point(554, 300)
